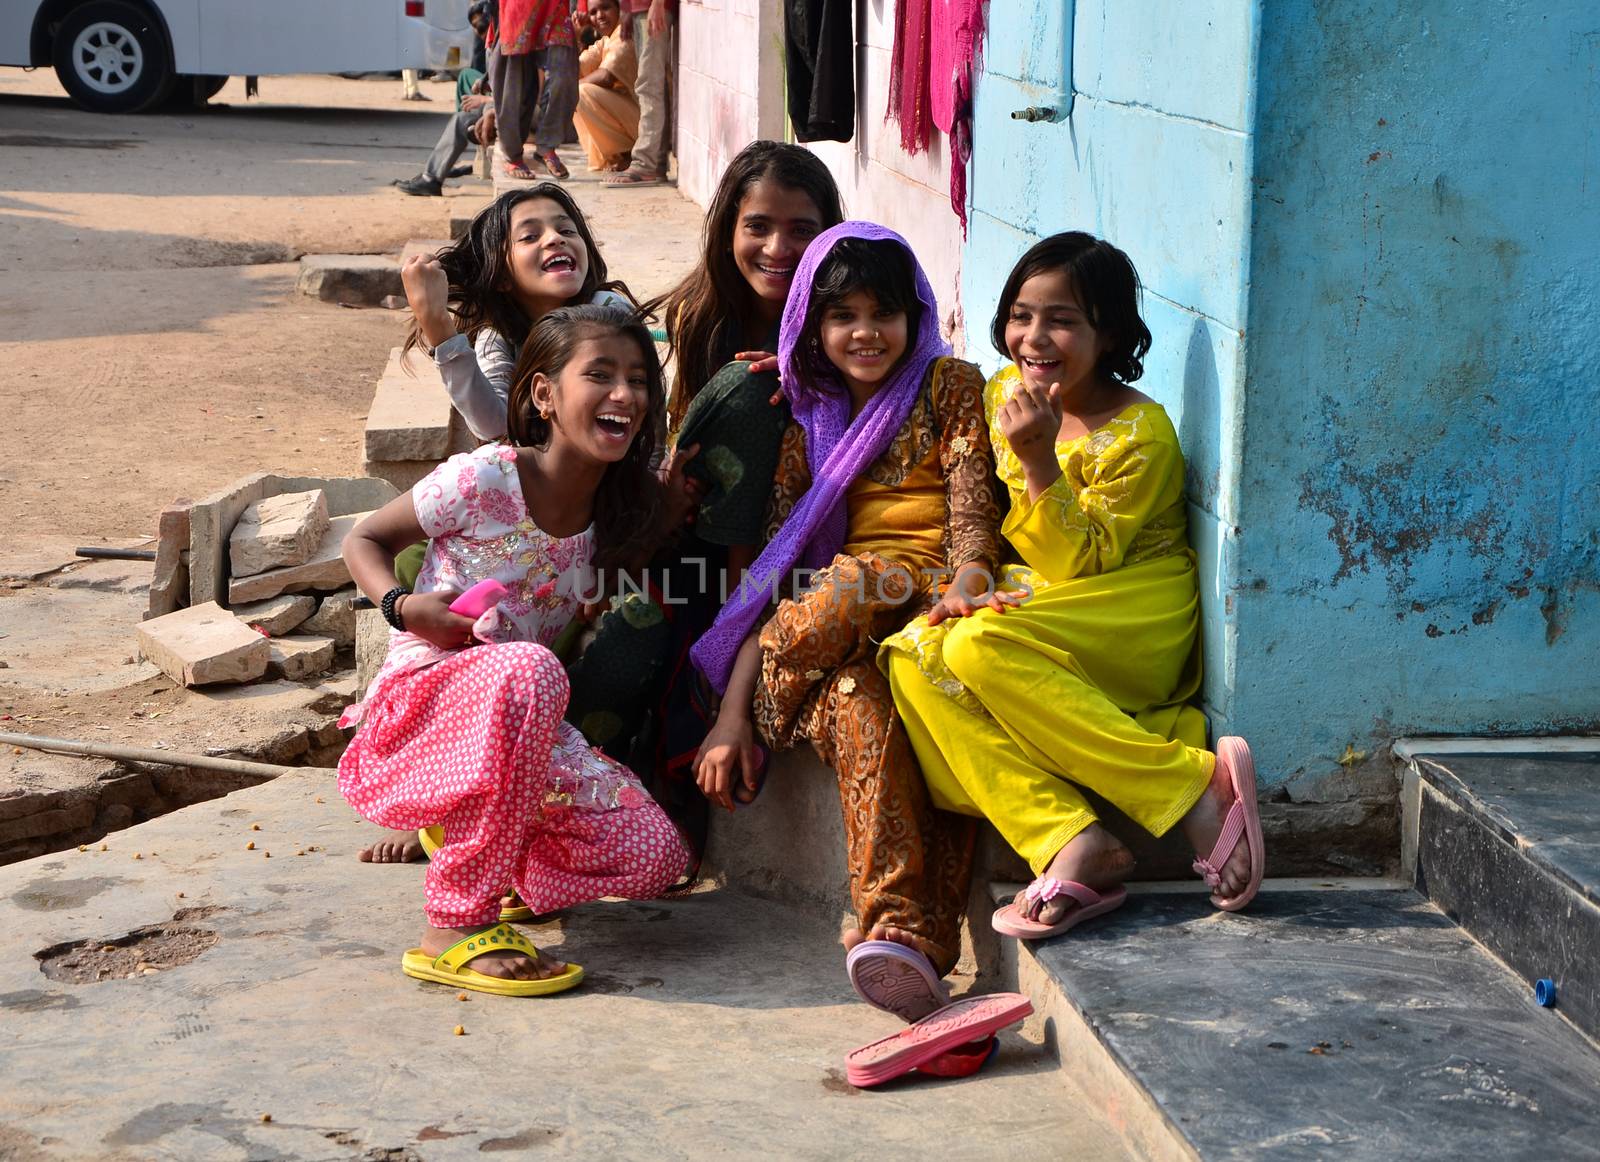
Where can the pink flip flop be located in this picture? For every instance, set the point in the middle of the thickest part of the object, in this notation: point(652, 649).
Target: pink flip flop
point(968, 1020)
point(896, 979)
point(1009, 920)
point(1234, 755)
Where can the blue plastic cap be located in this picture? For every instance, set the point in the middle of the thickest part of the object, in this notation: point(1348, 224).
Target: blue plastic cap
point(1544, 991)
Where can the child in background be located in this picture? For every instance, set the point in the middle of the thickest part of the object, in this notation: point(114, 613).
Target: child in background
point(1086, 683)
point(529, 252)
point(883, 486)
point(470, 737)
point(633, 690)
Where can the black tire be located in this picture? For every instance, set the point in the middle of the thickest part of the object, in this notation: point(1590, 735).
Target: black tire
point(112, 57)
point(192, 92)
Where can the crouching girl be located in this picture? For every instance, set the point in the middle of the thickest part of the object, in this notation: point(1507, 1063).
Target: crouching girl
point(470, 736)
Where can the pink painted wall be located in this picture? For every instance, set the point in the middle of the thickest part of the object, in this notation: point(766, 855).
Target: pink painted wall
point(730, 81)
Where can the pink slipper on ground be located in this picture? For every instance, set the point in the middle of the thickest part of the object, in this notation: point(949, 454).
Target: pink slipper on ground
point(1009, 920)
point(1244, 816)
point(968, 1020)
point(896, 979)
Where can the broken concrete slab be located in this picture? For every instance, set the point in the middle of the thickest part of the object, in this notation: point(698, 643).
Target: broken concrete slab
point(462, 212)
point(212, 518)
point(70, 641)
point(277, 615)
point(361, 280)
point(202, 645)
point(336, 618)
point(325, 570)
point(299, 657)
point(278, 531)
point(36, 558)
point(685, 1001)
point(169, 578)
point(410, 417)
point(372, 646)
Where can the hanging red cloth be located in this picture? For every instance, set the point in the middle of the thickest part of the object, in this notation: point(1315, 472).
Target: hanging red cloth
point(933, 66)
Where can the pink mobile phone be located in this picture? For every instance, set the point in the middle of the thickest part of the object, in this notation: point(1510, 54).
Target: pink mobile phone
point(485, 595)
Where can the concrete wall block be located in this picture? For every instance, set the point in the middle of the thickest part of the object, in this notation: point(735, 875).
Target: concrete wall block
point(299, 657)
point(372, 646)
point(169, 577)
point(410, 417)
point(335, 618)
point(202, 645)
point(212, 518)
point(355, 279)
point(277, 531)
point(277, 615)
point(401, 475)
point(325, 570)
point(1151, 53)
point(50, 822)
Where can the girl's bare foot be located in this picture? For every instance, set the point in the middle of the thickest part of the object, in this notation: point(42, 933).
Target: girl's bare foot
point(509, 965)
point(1093, 857)
point(1203, 825)
point(853, 936)
point(392, 847)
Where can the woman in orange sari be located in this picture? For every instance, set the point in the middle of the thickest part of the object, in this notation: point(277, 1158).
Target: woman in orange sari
point(607, 118)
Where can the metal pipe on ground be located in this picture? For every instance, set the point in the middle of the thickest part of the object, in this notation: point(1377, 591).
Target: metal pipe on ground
point(145, 754)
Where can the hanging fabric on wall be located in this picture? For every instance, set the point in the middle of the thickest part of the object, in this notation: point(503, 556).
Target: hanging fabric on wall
point(934, 60)
point(957, 44)
point(820, 47)
point(908, 74)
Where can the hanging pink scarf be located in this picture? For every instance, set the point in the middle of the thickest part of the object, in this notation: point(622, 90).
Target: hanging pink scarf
point(936, 47)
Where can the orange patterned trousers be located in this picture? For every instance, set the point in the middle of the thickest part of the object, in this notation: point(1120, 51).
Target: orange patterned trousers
point(910, 864)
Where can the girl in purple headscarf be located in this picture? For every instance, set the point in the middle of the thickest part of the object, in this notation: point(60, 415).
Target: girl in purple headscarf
point(882, 509)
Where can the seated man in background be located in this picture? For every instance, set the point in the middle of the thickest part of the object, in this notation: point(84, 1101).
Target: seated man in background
point(607, 117)
point(472, 121)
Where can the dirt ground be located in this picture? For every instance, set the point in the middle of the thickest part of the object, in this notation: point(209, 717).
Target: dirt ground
point(154, 344)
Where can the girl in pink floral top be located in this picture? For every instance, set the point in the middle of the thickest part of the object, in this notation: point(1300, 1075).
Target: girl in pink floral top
point(462, 728)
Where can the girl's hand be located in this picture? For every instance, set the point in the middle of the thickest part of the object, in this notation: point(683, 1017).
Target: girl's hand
point(1030, 421)
point(428, 292)
point(683, 491)
point(428, 616)
point(729, 753)
point(761, 361)
point(972, 589)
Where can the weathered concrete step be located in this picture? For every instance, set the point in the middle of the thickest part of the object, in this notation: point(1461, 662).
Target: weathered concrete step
point(1354, 1021)
point(714, 1024)
point(412, 424)
point(1507, 845)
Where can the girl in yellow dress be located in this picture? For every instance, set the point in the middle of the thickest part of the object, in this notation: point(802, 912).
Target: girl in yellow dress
point(1086, 679)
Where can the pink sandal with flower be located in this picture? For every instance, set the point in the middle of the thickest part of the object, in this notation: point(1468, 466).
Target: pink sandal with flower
point(1244, 816)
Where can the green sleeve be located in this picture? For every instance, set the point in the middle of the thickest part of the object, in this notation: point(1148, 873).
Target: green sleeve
point(739, 432)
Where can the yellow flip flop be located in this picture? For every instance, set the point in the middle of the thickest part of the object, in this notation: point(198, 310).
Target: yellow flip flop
point(432, 839)
point(450, 966)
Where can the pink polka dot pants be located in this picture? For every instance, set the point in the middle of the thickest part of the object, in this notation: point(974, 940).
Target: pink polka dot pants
point(468, 743)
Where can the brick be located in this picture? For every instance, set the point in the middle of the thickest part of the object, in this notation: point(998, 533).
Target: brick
point(169, 579)
point(356, 279)
point(278, 531)
point(372, 646)
point(335, 618)
point(325, 570)
point(204, 644)
point(277, 615)
point(410, 417)
point(299, 657)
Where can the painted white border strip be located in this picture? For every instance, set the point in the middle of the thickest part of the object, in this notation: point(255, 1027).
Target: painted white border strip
point(1410, 748)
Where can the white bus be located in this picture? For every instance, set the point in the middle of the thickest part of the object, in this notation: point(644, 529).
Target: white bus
point(121, 56)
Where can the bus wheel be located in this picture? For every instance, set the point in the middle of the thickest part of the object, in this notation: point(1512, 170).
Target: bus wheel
point(112, 57)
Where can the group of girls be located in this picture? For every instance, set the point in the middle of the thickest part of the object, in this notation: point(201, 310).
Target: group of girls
point(974, 599)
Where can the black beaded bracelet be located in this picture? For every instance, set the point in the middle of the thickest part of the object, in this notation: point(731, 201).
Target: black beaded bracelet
point(387, 606)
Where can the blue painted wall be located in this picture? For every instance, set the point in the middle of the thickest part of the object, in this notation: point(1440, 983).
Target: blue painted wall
point(1370, 243)
point(1156, 157)
point(1420, 483)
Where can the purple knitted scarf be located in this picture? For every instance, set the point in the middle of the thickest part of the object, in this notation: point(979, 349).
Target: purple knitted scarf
point(838, 449)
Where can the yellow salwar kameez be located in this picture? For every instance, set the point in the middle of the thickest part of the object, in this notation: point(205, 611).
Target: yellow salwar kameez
point(607, 119)
point(1087, 682)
